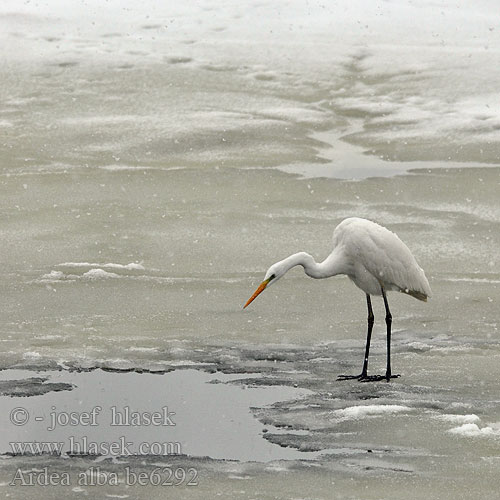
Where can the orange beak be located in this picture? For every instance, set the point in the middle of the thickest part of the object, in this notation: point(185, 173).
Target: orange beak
point(259, 290)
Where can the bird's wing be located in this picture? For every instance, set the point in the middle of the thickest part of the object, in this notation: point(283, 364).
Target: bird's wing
point(388, 259)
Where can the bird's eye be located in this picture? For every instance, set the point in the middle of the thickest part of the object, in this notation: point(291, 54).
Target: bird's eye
point(272, 277)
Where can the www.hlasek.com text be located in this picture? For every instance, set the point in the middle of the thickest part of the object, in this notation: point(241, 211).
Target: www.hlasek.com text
point(83, 446)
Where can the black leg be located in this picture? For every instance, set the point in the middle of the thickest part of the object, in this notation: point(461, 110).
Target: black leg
point(371, 319)
point(388, 322)
point(364, 373)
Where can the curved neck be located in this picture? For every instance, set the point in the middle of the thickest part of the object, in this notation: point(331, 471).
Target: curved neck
point(331, 266)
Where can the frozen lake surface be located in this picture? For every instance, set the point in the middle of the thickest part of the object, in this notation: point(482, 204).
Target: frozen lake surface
point(156, 160)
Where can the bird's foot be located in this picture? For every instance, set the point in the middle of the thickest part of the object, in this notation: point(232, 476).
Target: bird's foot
point(363, 377)
point(360, 377)
point(379, 378)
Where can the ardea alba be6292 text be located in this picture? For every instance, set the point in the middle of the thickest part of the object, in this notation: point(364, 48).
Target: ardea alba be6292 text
point(375, 259)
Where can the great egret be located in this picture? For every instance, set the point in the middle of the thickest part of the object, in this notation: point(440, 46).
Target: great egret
point(375, 259)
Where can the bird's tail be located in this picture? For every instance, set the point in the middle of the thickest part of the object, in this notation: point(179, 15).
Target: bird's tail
point(418, 295)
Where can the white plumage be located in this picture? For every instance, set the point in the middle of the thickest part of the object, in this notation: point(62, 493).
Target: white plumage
point(374, 258)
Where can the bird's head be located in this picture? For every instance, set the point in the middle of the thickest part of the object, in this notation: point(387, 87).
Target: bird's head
point(274, 273)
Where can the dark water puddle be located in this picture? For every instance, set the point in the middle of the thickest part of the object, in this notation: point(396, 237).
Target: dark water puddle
point(186, 412)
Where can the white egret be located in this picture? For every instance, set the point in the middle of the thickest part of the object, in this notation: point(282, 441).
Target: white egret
point(375, 259)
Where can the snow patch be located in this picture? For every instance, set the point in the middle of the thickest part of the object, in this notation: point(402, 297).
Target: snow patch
point(31, 354)
point(53, 276)
point(130, 267)
point(362, 411)
point(92, 274)
point(460, 419)
point(95, 274)
point(473, 430)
